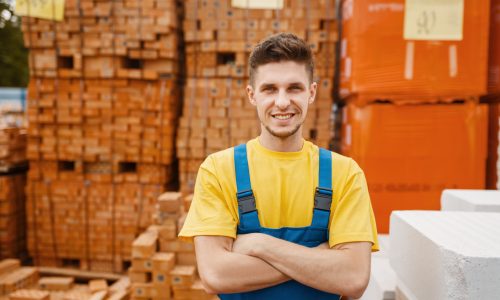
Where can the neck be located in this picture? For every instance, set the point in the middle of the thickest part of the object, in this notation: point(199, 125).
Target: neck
point(291, 143)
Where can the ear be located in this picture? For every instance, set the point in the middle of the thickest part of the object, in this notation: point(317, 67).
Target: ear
point(251, 95)
point(312, 92)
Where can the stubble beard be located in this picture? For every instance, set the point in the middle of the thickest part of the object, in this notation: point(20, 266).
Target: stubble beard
point(282, 135)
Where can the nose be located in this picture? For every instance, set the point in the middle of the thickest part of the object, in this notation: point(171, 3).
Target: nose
point(282, 101)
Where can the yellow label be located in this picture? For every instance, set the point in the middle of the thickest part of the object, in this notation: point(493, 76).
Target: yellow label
point(258, 4)
point(45, 9)
point(434, 20)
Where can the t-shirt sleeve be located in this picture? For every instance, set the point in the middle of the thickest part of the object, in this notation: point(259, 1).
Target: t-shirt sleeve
point(353, 219)
point(209, 213)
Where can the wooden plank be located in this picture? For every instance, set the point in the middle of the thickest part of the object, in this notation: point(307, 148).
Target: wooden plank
point(97, 285)
point(78, 274)
point(29, 294)
point(56, 283)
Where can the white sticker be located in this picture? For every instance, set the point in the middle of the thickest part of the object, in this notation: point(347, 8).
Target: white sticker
point(45, 9)
point(434, 20)
point(257, 4)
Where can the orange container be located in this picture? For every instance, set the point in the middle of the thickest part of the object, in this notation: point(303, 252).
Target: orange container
point(493, 165)
point(410, 153)
point(378, 63)
point(494, 59)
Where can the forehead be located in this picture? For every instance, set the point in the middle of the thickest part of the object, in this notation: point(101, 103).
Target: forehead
point(281, 73)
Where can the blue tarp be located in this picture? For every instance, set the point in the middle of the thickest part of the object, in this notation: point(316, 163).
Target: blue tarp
point(16, 96)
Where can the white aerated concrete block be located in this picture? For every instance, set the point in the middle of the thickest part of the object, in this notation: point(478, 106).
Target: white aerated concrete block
point(446, 255)
point(382, 283)
point(384, 244)
point(470, 200)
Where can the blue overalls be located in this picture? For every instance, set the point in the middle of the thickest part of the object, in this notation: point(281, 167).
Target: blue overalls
point(310, 236)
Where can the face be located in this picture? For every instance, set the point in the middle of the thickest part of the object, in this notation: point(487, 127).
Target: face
point(282, 94)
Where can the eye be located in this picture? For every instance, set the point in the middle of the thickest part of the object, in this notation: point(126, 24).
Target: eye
point(295, 88)
point(269, 89)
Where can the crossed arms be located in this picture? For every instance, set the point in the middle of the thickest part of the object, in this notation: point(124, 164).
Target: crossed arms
point(255, 261)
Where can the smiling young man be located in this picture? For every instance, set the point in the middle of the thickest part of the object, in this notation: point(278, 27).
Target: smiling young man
point(278, 217)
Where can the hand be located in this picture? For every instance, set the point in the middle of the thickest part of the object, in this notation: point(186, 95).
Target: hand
point(249, 243)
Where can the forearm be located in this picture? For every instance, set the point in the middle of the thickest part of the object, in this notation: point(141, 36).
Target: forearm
point(242, 273)
point(224, 271)
point(329, 270)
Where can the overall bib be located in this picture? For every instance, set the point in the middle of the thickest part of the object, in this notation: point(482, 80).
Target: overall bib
point(310, 236)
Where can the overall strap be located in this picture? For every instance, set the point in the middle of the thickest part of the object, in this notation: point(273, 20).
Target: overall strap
point(246, 201)
point(323, 195)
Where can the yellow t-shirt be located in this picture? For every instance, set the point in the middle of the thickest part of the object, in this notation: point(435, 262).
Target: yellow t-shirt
point(283, 184)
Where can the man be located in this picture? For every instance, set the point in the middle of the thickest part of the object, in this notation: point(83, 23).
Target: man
point(278, 217)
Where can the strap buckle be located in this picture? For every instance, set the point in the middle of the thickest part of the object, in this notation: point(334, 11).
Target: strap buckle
point(323, 198)
point(246, 201)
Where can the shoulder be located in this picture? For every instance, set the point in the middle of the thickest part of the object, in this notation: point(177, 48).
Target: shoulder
point(341, 163)
point(345, 173)
point(344, 163)
point(219, 162)
point(221, 156)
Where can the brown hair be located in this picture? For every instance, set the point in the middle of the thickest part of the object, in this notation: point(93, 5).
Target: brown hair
point(280, 47)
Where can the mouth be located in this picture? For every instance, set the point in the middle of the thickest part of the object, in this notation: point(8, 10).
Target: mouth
point(282, 116)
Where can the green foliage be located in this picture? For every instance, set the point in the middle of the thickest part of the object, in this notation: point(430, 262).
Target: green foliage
point(13, 55)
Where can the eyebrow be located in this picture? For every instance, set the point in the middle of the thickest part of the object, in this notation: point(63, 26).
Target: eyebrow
point(296, 84)
point(268, 85)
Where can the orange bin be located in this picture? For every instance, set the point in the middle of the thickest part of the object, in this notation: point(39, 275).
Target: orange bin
point(410, 153)
point(494, 59)
point(377, 62)
point(493, 166)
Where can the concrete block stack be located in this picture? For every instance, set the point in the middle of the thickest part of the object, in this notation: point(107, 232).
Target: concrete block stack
point(13, 167)
point(102, 110)
point(440, 255)
point(387, 284)
point(382, 284)
point(470, 200)
point(164, 267)
point(405, 117)
point(219, 35)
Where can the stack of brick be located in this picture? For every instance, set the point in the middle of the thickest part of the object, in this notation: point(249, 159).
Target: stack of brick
point(405, 117)
point(218, 38)
point(14, 277)
point(102, 108)
point(12, 147)
point(24, 283)
point(13, 166)
point(164, 267)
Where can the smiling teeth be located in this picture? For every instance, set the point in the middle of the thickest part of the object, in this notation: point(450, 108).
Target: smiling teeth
point(283, 117)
